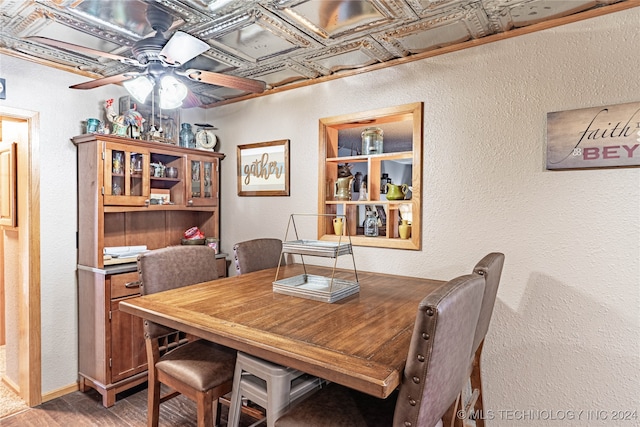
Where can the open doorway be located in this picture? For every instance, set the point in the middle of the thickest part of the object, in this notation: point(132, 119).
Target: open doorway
point(20, 261)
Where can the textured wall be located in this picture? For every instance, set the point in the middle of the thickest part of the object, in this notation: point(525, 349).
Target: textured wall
point(61, 110)
point(566, 326)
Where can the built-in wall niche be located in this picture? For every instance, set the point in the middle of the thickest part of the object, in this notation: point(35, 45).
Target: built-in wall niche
point(398, 164)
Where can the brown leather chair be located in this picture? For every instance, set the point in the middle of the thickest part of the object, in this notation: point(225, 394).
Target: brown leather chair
point(436, 369)
point(198, 369)
point(472, 400)
point(257, 254)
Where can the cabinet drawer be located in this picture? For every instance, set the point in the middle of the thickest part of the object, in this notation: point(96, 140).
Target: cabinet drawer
point(124, 284)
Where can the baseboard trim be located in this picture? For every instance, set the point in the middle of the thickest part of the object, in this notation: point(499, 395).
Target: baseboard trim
point(11, 385)
point(60, 392)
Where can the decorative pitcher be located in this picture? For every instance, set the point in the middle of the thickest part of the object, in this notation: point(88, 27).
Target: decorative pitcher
point(396, 192)
point(343, 188)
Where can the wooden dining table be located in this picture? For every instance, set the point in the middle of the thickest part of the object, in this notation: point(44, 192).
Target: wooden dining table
point(360, 342)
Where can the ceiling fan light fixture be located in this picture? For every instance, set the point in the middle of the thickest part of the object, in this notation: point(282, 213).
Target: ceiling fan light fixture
point(181, 48)
point(172, 92)
point(139, 88)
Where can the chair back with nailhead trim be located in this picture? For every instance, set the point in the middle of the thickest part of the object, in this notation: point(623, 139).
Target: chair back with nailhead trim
point(439, 353)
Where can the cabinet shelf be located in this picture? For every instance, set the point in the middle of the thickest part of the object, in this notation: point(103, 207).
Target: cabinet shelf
point(159, 179)
point(372, 157)
point(151, 208)
point(393, 204)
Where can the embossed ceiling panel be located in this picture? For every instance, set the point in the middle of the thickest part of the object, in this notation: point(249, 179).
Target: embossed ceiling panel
point(456, 25)
point(333, 18)
point(284, 43)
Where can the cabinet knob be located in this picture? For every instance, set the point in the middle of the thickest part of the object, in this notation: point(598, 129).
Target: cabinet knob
point(135, 284)
point(190, 203)
point(147, 202)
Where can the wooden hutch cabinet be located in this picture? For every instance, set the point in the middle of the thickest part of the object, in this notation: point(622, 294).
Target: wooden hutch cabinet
point(122, 203)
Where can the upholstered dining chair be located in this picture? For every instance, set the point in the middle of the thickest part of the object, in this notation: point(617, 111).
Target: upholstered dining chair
point(436, 368)
point(490, 266)
point(271, 386)
point(257, 254)
point(198, 369)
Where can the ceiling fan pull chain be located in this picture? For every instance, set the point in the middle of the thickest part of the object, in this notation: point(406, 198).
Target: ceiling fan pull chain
point(153, 112)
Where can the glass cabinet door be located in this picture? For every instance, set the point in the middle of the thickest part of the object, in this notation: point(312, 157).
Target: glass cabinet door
point(126, 175)
point(203, 182)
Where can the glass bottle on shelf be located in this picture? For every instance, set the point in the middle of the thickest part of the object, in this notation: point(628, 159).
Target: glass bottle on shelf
point(117, 162)
point(371, 225)
point(195, 179)
point(383, 183)
point(207, 179)
point(372, 140)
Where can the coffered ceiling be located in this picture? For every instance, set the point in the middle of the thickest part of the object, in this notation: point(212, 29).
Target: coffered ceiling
point(285, 43)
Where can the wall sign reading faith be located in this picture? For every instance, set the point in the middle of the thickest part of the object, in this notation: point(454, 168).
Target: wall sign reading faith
point(263, 169)
point(598, 137)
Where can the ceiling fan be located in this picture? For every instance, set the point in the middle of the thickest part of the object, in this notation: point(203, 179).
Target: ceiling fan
point(159, 58)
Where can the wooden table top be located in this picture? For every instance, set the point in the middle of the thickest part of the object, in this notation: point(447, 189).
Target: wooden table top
point(361, 341)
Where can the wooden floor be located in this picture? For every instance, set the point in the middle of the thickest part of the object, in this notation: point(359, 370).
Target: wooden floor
point(85, 409)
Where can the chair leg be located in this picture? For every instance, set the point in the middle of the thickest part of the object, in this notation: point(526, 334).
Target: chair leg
point(450, 418)
point(278, 396)
point(205, 412)
point(153, 401)
point(476, 385)
point(235, 405)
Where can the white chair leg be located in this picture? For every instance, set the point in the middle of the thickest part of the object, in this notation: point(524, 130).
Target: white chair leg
point(235, 406)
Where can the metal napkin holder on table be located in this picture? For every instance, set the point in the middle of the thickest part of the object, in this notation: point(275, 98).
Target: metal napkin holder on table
point(315, 287)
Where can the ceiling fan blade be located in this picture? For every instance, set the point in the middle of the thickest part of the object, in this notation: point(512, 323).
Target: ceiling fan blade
point(91, 84)
point(81, 49)
point(234, 82)
point(191, 100)
point(181, 48)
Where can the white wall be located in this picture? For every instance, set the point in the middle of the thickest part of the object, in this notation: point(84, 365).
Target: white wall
point(566, 327)
point(45, 90)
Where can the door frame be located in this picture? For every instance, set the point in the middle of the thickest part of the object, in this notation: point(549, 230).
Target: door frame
point(29, 341)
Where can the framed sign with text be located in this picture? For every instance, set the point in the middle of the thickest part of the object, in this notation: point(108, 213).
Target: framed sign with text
point(263, 169)
point(599, 137)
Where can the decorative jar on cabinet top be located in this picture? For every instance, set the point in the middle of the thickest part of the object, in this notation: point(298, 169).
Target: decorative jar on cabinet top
point(187, 138)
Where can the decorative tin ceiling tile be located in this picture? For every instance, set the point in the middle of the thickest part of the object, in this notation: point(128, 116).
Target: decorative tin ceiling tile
point(47, 22)
point(349, 55)
point(507, 14)
point(281, 73)
point(335, 19)
point(255, 35)
point(277, 41)
point(462, 23)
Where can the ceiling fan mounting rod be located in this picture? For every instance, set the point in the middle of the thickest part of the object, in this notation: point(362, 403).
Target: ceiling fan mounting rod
point(159, 20)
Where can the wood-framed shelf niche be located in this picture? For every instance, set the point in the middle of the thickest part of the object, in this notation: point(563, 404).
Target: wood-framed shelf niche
point(401, 159)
